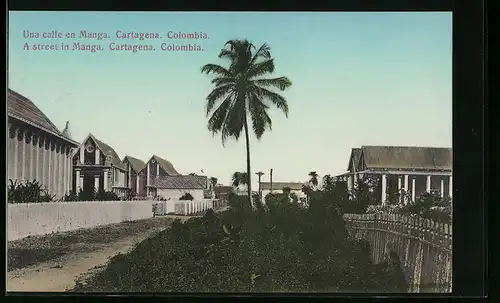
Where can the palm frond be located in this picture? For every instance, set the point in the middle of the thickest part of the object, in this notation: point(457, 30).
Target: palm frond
point(280, 83)
point(260, 119)
point(261, 68)
point(218, 93)
point(276, 99)
point(216, 69)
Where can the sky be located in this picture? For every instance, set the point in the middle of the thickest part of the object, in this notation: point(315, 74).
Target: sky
point(364, 78)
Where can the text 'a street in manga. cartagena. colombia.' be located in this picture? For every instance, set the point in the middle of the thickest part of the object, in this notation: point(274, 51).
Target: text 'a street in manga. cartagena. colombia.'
point(120, 40)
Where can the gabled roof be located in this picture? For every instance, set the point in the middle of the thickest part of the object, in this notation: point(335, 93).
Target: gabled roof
point(179, 182)
point(136, 164)
point(164, 164)
point(106, 150)
point(354, 159)
point(222, 190)
point(23, 109)
point(281, 185)
point(406, 157)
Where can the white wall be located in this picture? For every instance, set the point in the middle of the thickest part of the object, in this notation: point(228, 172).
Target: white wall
point(265, 192)
point(28, 219)
point(175, 194)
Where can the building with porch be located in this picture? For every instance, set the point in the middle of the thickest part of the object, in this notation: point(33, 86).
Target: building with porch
point(413, 169)
point(97, 167)
point(154, 167)
point(36, 149)
point(134, 166)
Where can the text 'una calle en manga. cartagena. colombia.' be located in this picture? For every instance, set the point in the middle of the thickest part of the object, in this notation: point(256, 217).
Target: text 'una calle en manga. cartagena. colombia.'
point(128, 41)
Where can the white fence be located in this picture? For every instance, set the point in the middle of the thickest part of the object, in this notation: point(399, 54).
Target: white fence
point(187, 207)
point(29, 219)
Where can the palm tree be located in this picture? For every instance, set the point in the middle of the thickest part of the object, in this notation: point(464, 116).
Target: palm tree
point(239, 178)
point(241, 94)
point(306, 190)
point(314, 178)
point(213, 181)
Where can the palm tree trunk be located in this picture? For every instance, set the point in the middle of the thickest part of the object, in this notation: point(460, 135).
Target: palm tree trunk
point(249, 174)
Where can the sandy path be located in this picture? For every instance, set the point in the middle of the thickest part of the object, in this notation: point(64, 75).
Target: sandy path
point(61, 274)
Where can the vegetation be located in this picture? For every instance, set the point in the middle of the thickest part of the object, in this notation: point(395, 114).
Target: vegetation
point(187, 196)
point(274, 248)
point(242, 95)
point(86, 195)
point(239, 178)
point(28, 192)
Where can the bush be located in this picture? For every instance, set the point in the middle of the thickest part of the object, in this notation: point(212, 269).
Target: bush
point(28, 192)
point(278, 248)
point(186, 196)
point(100, 195)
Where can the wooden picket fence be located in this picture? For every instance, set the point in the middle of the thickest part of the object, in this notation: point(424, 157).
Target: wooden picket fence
point(424, 247)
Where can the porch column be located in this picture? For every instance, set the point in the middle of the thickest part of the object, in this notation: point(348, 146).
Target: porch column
point(78, 186)
point(32, 158)
point(97, 156)
point(442, 188)
point(413, 188)
point(400, 183)
point(148, 180)
point(16, 154)
point(157, 169)
point(69, 167)
point(428, 184)
point(406, 190)
point(44, 162)
point(23, 156)
point(50, 167)
point(105, 177)
point(37, 156)
point(129, 181)
point(349, 183)
point(450, 187)
point(137, 179)
point(96, 183)
point(384, 188)
point(82, 154)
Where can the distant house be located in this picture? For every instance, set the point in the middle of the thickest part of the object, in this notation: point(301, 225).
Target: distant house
point(222, 192)
point(277, 187)
point(98, 167)
point(36, 149)
point(134, 166)
point(413, 169)
point(154, 167)
point(173, 187)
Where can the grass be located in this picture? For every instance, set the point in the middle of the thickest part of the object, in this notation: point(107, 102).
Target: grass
point(37, 249)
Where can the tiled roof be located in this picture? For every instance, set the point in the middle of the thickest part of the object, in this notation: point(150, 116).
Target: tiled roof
point(403, 157)
point(281, 185)
point(136, 164)
point(223, 190)
point(23, 109)
point(179, 182)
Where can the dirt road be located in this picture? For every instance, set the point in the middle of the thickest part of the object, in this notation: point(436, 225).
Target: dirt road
point(74, 255)
point(61, 273)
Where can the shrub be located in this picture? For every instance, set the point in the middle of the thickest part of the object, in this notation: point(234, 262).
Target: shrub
point(28, 192)
point(186, 196)
point(280, 248)
point(82, 195)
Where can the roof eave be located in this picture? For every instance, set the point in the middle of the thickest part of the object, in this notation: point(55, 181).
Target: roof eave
point(44, 129)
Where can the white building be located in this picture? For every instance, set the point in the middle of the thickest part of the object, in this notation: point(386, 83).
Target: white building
point(174, 187)
point(277, 187)
point(413, 169)
point(36, 149)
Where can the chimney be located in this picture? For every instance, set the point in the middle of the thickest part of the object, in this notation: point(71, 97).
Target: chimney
point(66, 133)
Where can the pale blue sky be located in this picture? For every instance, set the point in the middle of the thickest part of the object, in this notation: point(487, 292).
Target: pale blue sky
point(358, 79)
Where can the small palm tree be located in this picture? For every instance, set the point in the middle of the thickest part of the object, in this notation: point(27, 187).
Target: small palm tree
point(314, 179)
point(213, 181)
point(306, 190)
point(239, 178)
point(242, 95)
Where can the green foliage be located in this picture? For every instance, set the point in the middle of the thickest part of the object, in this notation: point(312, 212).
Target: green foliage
point(28, 192)
point(276, 249)
point(187, 196)
point(100, 195)
point(430, 206)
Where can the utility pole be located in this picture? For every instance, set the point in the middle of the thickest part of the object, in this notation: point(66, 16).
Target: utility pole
point(260, 174)
point(271, 180)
